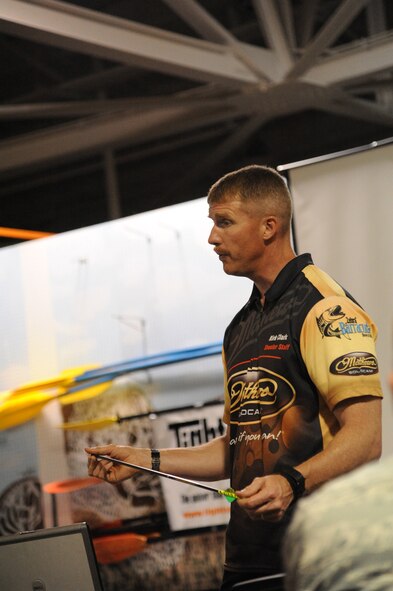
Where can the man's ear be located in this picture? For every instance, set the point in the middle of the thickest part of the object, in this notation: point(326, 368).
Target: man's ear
point(269, 227)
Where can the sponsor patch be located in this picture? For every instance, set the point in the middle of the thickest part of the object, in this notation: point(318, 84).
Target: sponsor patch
point(333, 322)
point(357, 363)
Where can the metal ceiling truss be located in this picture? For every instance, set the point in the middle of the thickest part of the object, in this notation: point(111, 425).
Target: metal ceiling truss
point(236, 80)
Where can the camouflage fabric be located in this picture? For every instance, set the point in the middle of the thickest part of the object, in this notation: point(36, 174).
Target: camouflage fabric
point(341, 537)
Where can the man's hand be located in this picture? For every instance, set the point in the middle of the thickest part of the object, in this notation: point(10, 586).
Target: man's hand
point(109, 471)
point(267, 497)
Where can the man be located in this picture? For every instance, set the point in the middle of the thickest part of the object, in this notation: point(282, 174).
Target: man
point(301, 379)
point(342, 537)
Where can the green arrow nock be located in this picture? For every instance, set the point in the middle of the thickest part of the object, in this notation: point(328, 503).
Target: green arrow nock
point(229, 494)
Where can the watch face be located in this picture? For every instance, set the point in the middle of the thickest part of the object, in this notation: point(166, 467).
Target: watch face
point(298, 477)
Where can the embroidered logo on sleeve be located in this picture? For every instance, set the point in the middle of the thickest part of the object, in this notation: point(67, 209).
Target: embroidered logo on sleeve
point(333, 322)
point(354, 364)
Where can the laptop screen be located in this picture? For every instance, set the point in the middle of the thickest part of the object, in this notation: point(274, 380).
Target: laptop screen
point(55, 559)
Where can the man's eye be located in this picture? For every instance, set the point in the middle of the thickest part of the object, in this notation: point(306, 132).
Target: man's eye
point(223, 223)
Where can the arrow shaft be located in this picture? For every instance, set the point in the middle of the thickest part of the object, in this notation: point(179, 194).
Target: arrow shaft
point(150, 361)
point(158, 473)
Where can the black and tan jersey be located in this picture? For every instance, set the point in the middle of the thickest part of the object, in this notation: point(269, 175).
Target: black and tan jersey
point(287, 365)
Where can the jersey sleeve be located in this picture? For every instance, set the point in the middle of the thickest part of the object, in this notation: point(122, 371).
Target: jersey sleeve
point(337, 343)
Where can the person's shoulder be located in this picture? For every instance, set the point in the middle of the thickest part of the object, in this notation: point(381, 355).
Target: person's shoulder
point(323, 282)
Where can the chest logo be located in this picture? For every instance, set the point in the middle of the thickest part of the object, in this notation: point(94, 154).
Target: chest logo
point(257, 393)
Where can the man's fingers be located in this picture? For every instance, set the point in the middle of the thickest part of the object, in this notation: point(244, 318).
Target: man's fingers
point(100, 449)
point(98, 468)
point(263, 499)
point(266, 512)
point(272, 516)
point(251, 489)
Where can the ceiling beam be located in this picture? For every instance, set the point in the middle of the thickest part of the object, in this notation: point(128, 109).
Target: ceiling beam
point(336, 101)
point(376, 17)
point(376, 23)
point(337, 23)
point(119, 40)
point(201, 21)
point(370, 86)
point(28, 56)
point(24, 183)
point(72, 109)
point(74, 86)
point(94, 134)
point(288, 20)
point(272, 29)
point(361, 61)
point(306, 21)
point(138, 127)
point(209, 28)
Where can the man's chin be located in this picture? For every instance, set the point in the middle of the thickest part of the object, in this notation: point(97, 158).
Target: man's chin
point(231, 270)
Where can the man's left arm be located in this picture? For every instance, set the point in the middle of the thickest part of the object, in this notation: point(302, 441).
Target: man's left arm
point(357, 441)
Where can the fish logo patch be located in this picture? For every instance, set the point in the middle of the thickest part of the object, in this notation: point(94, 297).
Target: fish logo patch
point(327, 322)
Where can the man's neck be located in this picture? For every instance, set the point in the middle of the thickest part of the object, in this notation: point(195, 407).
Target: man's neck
point(271, 268)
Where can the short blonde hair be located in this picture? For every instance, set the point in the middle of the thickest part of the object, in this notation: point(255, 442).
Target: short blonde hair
point(258, 184)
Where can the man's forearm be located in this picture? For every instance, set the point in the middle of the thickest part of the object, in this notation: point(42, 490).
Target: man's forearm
point(358, 441)
point(207, 462)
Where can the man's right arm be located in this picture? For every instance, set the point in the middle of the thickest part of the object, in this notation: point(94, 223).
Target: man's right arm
point(206, 462)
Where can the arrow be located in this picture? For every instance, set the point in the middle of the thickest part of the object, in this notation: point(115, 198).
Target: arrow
point(74, 386)
point(228, 493)
point(96, 424)
point(20, 408)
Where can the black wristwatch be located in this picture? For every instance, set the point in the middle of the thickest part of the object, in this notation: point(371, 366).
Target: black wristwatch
point(155, 459)
point(295, 479)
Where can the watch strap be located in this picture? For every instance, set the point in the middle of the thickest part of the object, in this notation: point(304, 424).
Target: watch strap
point(296, 480)
point(155, 459)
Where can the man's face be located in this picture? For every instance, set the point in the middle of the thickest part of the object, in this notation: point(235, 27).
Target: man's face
point(237, 236)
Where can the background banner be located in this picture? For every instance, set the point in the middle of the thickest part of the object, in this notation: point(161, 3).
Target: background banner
point(189, 507)
point(129, 288)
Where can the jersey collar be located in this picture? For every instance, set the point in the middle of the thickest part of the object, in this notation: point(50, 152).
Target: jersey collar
point(284, 278)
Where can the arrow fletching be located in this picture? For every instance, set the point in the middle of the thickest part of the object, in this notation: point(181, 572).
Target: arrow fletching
point(20, 409)
point(84, 391)
point(93, 425)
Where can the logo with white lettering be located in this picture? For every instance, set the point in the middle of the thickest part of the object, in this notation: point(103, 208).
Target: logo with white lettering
point(258, 393)
point(278, 337)
point(333, 322)
point(354, 364)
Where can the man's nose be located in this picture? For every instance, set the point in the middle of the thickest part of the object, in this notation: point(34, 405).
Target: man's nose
point(214, 237)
